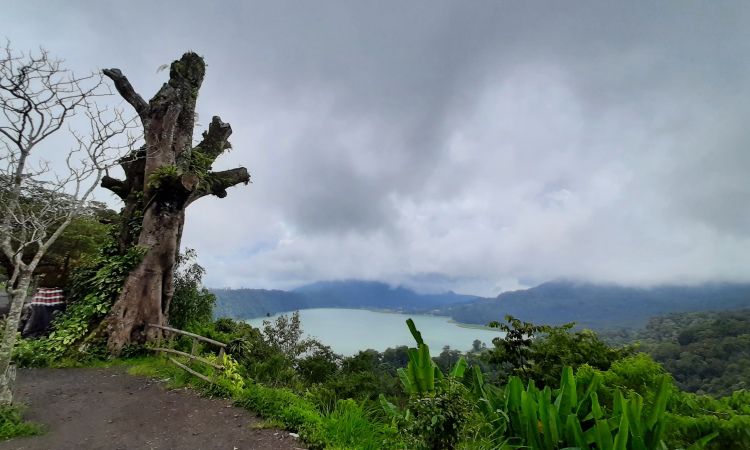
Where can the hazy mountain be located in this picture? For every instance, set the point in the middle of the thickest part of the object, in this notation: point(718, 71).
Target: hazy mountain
point(589, 305)
point(249, 303)
point(600, 306)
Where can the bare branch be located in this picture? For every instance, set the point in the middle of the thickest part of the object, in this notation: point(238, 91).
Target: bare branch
point(215, 139)
point(118, 187)
point(217, 183)
point(123, 86)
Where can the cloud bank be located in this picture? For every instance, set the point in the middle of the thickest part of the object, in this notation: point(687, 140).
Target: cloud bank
point(474, 146)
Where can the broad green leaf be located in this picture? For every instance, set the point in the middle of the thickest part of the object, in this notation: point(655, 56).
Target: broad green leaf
point(574, 433)
point(603, 435)
point(660, 404)
point(459, 368)
point(596, 409)
point(701, 443)
point(566, 401)
point(414, 332)
point(621, 439)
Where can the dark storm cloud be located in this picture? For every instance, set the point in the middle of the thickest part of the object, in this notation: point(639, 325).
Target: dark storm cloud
point(471, 144)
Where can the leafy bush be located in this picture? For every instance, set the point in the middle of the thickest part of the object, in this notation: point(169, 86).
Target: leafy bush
point(93, 290)
point(191, 303)
point(438, 407)
point(540, 352)
point(549, 420)
point(12, 424)
point(560, 347)
point(692, 416)
point(319, 366)
point(436, 422)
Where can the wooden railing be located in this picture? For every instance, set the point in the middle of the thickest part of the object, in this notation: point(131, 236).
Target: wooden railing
point(192, 356)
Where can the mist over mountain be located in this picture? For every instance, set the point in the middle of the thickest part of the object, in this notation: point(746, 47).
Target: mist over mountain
point(590, 305)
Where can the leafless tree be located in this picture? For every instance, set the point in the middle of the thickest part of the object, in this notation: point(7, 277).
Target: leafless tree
point(45, 180)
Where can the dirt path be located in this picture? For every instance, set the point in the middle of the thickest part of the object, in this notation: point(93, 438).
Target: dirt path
point(109, 409)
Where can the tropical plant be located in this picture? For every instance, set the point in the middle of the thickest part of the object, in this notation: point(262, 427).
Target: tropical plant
point(438, 406)
point(550, 420)
point(421, 372)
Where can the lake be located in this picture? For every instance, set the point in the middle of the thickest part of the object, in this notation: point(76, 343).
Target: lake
point(348, 331)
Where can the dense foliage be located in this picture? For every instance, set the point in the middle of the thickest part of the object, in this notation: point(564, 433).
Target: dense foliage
point(540, 352)
point(82, 240)
point(92, 290)
point(707, 353)
point(191, 302)
point(602, 397)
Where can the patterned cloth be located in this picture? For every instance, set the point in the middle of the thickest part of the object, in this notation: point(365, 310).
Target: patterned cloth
point(40, 311)
point(48, 297)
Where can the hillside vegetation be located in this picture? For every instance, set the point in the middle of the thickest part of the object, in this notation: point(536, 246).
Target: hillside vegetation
point(601, 307)
point(707, 352)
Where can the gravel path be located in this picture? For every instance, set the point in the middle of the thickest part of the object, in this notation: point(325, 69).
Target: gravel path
point(109, 409)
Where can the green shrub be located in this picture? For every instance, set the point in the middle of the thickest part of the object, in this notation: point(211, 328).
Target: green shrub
point(12, 424)
point(693, 415)
point(191, 302)
point(436, 422)
point(93, 289)
point(319, 365)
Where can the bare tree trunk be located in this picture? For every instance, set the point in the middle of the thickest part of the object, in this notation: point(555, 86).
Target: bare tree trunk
point(148, 287)
point(7, 370)
point(161, 180)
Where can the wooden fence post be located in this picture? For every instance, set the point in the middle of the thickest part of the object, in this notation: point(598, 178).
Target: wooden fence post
point(193, 355)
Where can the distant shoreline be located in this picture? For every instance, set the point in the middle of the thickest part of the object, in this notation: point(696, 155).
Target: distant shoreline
point(473, 326)
point(389, 311)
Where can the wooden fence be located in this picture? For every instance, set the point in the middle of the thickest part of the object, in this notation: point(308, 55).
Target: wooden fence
point(192, 356)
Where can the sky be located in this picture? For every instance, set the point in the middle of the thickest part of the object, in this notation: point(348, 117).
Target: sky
point(474, 146)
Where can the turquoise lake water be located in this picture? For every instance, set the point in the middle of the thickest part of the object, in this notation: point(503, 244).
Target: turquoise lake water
point(348, 331)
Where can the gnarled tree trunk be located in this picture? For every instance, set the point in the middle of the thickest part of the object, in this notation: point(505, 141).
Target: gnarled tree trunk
point(161, 180)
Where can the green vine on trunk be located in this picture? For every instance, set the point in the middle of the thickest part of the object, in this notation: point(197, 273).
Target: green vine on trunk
point(164, 176)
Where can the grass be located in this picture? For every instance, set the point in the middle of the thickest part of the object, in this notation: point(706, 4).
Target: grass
point(12, 424)
point(349, 425)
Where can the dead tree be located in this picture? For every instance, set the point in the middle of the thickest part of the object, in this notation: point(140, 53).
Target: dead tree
point(161, 180)
point(40, 198)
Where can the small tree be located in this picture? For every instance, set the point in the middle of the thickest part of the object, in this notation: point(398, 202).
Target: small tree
point(40, 195)
point(192, 304)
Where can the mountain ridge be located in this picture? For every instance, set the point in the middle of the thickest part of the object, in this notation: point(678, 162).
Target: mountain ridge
point(590, 305)
point(600, 306)
point(251, 303)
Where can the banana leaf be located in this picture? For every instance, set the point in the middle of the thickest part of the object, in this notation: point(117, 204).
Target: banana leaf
point(459, 368)
point(574, 433)
point(414, 332)
point(621, 439)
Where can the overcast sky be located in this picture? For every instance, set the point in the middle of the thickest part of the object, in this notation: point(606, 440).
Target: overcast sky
point(474, 146)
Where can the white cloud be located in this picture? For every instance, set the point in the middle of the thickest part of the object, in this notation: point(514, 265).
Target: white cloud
point(445, 146)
